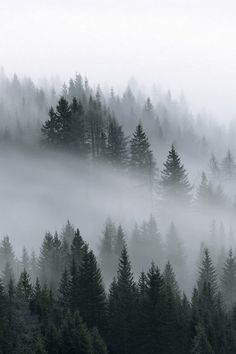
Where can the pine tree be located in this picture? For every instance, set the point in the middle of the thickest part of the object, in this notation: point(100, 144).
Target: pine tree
point(68, 233)
point(122, 309)
point(25, 260)
point(204, 192)
point(214, 167)
point(170, 280)
point(24, 287)
point(6, 253)
point(228, 165)
point(228, 280)
point(119, 242)
point(77, 248)
point(91, 295)
point(106, 251)
point(64, 290)
point(174, 179)
point(74, 336)
point(57, 130)
point(78, 139)
point(142, 164)
point(200, 342)
point(116, 143)
point(7, 275)
point(99, 346)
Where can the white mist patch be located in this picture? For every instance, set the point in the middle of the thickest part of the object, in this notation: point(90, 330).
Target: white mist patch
point(39, 192)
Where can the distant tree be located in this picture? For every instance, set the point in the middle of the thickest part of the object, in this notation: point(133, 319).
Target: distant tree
point(174, 248)
point(204, 192)
point(119, 243)
point(25, 260)
point(64, 290)
point(228, 165)
point(214, 167)
point(57, 130)
point(78, 247)
point(116, 143)
point(142, 164)
point(228, 280)
point(78, 136)
point(6, 253)
point(106, 251)
point(174, 182)
point(24, 287)
point(207, 274)
point(170, 280)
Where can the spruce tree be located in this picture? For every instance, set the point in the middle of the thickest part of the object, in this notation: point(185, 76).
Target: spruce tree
point(122, 309)
point(174, 182)
point(91, 295)
point(116, 143)
point(204, 192)
point(106, 251)
point(228, 165)
point(228, 280)
point(200, 342)
point(207, 274)
point(142, 164)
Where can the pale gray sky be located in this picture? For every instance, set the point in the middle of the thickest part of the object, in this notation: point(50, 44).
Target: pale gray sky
point(183, 45)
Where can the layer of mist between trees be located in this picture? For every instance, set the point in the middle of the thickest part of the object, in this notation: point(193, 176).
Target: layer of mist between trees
point(94, 155)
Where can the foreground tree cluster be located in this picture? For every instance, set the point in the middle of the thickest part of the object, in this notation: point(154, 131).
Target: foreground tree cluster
point(58, 303)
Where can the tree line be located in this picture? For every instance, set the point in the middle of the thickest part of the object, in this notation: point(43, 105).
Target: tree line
point(65, 308)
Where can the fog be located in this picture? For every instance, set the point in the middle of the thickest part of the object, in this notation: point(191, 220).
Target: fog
point(184, 46)
point(40, 192)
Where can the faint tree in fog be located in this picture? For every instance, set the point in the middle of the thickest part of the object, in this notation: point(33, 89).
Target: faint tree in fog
point(174, 182)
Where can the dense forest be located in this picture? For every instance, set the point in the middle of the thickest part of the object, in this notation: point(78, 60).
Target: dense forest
point(160, 275)
point(59, 303)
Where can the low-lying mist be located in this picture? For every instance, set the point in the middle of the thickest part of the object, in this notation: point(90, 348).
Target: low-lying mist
point(40, 191)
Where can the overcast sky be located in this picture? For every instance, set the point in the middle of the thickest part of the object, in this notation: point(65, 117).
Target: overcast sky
point(183, 45)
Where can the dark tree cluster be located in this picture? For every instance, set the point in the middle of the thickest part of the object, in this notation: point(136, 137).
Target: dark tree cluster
point(71, 312)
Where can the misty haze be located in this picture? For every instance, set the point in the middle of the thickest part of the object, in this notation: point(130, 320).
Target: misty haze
point(118, 178)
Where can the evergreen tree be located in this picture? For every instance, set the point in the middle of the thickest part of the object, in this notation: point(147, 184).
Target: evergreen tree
point(204, 192)
point(78, 139)
point(68, 233)
point(116, 143)
point(214, 167)
point(91, 295)
point(24, 287)
point(122, 309)
point(57, 130)
point(174, 179)
point(207, 273)
point(25, 260)
point(64, 290)
point(99, 346)
point(228, 165)
point(74, 336)
point(228, 280)
point(200, 342)
point(119, 242)
point(77, 248)
point(142, 164)
point(170, 280)
point(106, 254)
point(6, 253)
point(175, 253)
